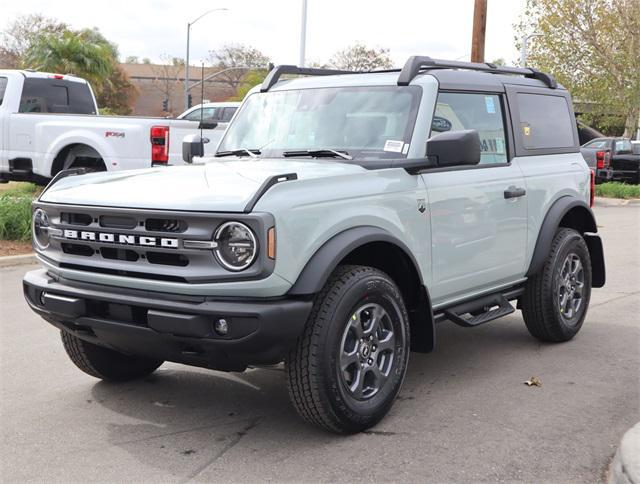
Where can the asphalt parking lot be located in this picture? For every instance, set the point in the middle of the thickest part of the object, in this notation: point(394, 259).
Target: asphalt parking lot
point(464, 413)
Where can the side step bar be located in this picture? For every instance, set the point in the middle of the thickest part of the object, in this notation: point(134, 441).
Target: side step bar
point(482, 310)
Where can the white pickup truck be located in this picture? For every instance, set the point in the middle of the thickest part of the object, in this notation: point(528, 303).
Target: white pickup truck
point(50, 122)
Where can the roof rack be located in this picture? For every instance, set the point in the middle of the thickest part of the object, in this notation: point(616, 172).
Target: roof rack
point(415, 64)
point(275, 73)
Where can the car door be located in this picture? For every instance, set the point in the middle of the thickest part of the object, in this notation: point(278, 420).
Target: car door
point(478, 214)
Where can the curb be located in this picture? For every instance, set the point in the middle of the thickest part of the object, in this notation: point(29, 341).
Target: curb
point(17, 260)
point(616, 202)
point(625, 468)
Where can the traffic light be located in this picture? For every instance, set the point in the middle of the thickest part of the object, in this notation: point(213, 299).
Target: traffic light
point(189, 103)
point(165, 105)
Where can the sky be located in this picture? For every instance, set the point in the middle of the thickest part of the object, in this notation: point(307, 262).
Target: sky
point(151, 28)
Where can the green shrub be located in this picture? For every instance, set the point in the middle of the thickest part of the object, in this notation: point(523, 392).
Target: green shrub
point(617, 190)
point(15, 211)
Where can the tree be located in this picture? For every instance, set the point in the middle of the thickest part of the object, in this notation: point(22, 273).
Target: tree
point(237, 56)
point(249, 81)
point(167, 76)
point(118, 95)
point(359, 57)
point(132, 59)
point(72, 53)
point(593, 49)
point(22, 33)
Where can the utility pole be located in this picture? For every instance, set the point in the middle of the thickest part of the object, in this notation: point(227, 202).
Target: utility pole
point(523, 48)
point(303, 34)
point(186, 65)
point(479, 30)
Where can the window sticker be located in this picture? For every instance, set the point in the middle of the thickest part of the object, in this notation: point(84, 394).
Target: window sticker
point(394, 146)
point(405, 150)
point(491, 106)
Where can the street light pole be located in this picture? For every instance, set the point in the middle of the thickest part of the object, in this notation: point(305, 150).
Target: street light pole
point(186, 66)
point(523, 48)
point(303, 33)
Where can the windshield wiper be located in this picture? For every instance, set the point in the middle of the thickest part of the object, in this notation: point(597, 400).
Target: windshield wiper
point(253, 153)
point(323, 153)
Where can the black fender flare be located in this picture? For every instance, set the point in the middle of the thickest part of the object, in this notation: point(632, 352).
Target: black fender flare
point(589, 230)
point(319, 267)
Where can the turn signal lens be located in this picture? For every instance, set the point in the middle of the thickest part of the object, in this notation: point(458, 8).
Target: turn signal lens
point(271, 243)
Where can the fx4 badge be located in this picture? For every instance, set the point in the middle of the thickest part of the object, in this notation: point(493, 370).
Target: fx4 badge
point(113, 134)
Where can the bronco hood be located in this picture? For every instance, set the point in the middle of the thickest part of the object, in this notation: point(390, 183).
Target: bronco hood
point(215, 186)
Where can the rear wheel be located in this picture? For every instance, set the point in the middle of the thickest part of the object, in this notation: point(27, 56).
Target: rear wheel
point(556, 299)
point(348, 366)
point(105, 363)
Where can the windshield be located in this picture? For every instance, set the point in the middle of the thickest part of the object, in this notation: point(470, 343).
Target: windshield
point(371, 122)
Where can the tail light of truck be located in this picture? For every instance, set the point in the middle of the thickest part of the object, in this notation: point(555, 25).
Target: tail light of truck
point(159, 144)
point(602, 159)
point(592, 188)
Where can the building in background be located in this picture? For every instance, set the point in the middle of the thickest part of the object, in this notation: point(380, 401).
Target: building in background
point(157, 83)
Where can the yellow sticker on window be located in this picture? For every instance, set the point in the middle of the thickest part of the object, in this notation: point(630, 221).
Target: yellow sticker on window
point(526, 130)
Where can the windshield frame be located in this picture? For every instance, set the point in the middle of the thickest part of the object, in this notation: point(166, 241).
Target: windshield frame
point(357, 154)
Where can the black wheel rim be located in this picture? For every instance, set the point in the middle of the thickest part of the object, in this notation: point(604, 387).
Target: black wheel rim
point(367, 351)
point(570, 288)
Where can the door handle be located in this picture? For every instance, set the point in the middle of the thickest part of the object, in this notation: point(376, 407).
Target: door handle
point(514, 192)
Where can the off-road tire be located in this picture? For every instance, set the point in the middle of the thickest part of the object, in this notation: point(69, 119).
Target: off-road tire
point(105, 363)
point(540, 306)
point(314, 377)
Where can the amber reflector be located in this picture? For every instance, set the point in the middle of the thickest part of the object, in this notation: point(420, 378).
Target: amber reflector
point(271, 243)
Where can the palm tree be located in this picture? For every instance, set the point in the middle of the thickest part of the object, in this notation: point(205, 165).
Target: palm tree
point(78, 53)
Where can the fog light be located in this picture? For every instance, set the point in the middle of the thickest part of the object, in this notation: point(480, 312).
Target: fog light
point(221, 327)
point(42, 298)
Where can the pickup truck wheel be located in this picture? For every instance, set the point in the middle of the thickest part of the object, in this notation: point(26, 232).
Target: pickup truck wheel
point(556, 299)
point(348, 366)
point(105, 363)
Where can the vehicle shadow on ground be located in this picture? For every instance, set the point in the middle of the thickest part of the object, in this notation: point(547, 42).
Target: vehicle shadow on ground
point(202, 414)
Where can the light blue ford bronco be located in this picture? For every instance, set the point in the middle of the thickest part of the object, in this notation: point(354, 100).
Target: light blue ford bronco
point(343, 216)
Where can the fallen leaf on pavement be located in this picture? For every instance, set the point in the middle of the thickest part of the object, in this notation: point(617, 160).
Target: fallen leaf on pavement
point(534, 381)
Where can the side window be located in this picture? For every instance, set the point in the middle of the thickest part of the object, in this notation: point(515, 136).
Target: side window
point(622, 147)
point(59, 96)
point(545, 121)
point(81, 100)
point(482, 112)
point(3, 87)
point(193, 115)
point(228, 114)
point(596, 144)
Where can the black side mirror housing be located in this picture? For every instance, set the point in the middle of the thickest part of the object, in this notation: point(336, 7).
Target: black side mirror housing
point(207, 125)
point(454, 148)
point(192, 146)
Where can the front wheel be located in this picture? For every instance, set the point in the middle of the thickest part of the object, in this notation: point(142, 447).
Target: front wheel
point(348, 366)
point(556, 299)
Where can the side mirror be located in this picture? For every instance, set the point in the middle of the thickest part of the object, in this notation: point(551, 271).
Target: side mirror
point(192, 146)
point(207, 125)
point(455, 148)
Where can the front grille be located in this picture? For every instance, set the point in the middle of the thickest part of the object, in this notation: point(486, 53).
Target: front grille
point(146, 244)
point(165, 225)
point(119, 254)
point(82, 219)
point(77, 249)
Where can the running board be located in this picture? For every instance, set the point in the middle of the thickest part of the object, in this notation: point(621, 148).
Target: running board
point(486, 309)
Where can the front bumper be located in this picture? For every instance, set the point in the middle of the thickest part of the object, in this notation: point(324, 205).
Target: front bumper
point(170, 327)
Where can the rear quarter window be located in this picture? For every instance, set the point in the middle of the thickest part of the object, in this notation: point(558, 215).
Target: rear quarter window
point(545, 121)
point(56, 96)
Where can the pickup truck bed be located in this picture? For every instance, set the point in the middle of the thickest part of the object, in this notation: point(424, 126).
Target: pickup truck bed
point(50, 122)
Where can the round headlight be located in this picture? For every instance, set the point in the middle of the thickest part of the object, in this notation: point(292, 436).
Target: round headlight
point(237, 246)
point(41, 228)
